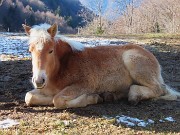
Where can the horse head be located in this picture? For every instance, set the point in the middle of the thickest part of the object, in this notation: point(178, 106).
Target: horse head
point(42, 45)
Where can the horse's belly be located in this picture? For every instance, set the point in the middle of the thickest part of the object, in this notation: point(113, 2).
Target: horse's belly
point(115, 82)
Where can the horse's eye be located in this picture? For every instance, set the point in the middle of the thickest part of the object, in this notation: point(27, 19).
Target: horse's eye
point(50, 51)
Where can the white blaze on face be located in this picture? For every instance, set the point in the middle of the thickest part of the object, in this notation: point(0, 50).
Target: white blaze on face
point(38, 75)
point(39, 46)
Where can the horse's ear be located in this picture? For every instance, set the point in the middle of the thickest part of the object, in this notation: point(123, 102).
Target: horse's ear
point(53, 30)
point(27, 29)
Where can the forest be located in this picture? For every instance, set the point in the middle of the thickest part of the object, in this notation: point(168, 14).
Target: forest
point(136, 16)
point(132, 16)
point(64, 12)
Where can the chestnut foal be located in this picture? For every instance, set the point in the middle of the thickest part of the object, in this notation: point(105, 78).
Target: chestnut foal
point(69, 75)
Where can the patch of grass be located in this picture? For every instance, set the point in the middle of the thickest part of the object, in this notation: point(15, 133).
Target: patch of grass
point(146, 38)
point(137, 36)
point(2, 132)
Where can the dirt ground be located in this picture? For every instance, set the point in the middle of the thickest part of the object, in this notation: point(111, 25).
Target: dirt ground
point(15, 76)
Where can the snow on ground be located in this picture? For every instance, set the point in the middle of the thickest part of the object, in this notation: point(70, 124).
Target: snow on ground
point(167, 119)
point(8, 123)
point(131, 122)
point(99, 41)
point(16, 43)
point(12, 44)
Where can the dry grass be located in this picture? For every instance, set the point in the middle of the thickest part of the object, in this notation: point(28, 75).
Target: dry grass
point(167, 38)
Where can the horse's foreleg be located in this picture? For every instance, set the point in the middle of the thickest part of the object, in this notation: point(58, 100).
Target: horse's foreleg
point(73, 98)
point(34, 97)
point(84, 100)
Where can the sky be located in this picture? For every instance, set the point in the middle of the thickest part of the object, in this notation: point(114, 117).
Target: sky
point(109, 7)
point(91, 4)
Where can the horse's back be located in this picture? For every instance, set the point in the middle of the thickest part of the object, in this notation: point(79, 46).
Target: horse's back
point(111, 68)
point(137, 65)
point(103, 68)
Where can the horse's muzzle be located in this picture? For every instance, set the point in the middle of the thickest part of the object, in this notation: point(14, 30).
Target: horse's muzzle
point(38, 83)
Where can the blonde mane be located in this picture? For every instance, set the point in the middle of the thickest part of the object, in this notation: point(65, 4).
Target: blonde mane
point(39, 34)
point(76, 46)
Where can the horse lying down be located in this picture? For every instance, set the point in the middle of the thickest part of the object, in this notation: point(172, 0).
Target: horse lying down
point(68, 75)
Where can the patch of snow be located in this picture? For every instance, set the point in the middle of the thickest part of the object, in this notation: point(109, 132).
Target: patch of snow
point(16, 44)
point(169, 119)
point(8, 123)
point(142, 124)
point(151, 121)
point(125, 120)
point(161, 121)
point(131, 122)
point(91, 42)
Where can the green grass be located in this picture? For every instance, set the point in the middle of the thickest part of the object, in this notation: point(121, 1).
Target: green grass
point(136, 36)
point(147, 38)
point(160, 35)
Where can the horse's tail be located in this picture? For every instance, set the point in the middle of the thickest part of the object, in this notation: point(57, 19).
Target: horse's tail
point(170, 94)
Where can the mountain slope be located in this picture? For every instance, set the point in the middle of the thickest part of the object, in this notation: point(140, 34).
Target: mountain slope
point(64, 12)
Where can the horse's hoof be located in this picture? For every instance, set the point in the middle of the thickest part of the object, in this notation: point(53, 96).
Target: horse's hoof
point(133, 102)
point(107, 97)
point(100, 100)
point(28, 98)
point(59, 103)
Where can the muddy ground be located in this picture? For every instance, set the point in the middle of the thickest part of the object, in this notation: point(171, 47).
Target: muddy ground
point(15, 76)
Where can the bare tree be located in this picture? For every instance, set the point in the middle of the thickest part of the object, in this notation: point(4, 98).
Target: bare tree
point(126, 9)
point(97, 6)
point(86, 15)
point(148, 16)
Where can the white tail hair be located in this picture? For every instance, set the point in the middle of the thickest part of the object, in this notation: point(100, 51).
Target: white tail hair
point(171, 94)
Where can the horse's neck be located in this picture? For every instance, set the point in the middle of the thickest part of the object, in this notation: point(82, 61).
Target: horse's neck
point(62, 54)
point(62, 49)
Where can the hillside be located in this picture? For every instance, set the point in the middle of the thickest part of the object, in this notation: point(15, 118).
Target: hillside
point(64, 12)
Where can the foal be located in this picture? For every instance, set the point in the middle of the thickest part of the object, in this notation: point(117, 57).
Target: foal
point(68, 75)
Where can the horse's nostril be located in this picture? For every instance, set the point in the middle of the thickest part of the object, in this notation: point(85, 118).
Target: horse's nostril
point(43, 81)
point(33, 80)
point(39, 82)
